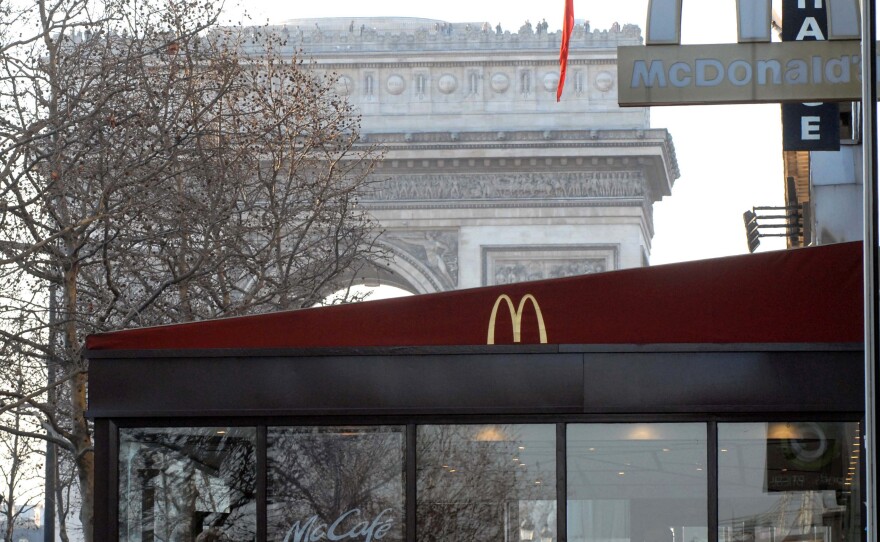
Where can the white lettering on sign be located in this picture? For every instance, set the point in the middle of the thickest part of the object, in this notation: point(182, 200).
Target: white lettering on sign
point(795, 71)
point(811, 128)
point(810, 29)
point(680, 74)
point(704, 67)
point(802, 4)
point(366, 531)
point(740, 72)
point(655, 75)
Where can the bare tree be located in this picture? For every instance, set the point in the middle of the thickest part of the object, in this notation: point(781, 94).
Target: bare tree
point(469, 484)
point(157, 169)
point(327, 477)
point(20, 464)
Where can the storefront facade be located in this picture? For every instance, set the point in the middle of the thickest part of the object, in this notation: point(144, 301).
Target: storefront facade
point(208, 432)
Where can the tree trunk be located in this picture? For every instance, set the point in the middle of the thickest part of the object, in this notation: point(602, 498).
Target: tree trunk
point(61, 508)
point(9, 512)
point(81, 438)
point(85, 458)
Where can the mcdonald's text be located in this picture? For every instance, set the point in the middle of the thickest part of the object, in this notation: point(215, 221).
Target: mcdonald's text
point(739, 73)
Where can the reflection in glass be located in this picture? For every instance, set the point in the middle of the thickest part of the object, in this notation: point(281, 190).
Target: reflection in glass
point(480, 483)
point(791, 481)
point(637, 482)
point(343, 484)
point(187, 484)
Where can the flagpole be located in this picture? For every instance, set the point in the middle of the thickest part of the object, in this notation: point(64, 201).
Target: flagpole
point(870, 218)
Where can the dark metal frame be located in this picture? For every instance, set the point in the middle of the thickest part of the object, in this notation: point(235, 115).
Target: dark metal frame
point(413, 386)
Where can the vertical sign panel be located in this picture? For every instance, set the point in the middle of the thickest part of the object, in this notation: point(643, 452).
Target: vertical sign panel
point(813, 126)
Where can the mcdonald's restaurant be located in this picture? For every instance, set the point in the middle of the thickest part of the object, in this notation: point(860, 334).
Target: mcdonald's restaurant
point(712, 401)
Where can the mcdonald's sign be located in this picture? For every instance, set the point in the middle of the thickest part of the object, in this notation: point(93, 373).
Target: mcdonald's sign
point(516, 315)
point(754, 70)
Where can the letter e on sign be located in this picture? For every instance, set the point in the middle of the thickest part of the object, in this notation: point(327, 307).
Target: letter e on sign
point(810, 127)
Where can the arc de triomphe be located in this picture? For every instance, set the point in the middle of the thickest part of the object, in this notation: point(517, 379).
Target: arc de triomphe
point(487, 179)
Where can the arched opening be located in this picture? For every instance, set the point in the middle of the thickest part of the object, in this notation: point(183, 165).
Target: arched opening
point(365, 293)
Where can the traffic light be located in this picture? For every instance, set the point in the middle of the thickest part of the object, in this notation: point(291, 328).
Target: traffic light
point(750, 219)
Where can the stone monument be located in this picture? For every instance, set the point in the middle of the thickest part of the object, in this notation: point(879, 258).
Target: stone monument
point(486, 178)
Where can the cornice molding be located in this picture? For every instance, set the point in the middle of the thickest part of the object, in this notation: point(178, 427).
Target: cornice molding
point(505, 204)
point(371, 36)
point(555, 137)
point(326, 64)
point(518, 140)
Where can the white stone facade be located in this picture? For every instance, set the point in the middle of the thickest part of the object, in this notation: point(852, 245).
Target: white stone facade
point(487, 179)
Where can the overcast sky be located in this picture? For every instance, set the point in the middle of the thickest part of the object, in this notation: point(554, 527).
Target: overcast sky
point(730, 156)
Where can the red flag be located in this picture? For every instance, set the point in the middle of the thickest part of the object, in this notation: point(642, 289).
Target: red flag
point(567, 27)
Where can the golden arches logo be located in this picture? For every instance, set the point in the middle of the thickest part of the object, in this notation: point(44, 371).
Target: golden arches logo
point(516, 317)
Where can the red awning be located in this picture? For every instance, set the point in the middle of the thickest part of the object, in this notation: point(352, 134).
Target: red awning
point(809, 295)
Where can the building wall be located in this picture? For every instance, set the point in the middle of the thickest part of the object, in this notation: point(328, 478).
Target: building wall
point(836, 193)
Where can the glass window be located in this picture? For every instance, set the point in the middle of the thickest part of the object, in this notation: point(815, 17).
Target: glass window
point(637, 482)
point(187, 484)
point(481, 483)
point(792, 481)
point(340, 484)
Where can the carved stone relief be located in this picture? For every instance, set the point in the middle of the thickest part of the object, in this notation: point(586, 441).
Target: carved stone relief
point(420, 82)
point(344, 85)
point(473, 83)
point(447, 83)
point(369, 86)
point(435, 250)
point(578, 82)
point(500, 83)
point(491, 186)
point(395, 85)
point(604, 81)
point(551, 81)
point(506, 265)
point(394, 34)
point(525, 83)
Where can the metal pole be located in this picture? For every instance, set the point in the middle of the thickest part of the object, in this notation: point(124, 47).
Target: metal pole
point(871, 282)
point(49, 497)
point(51, 459)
